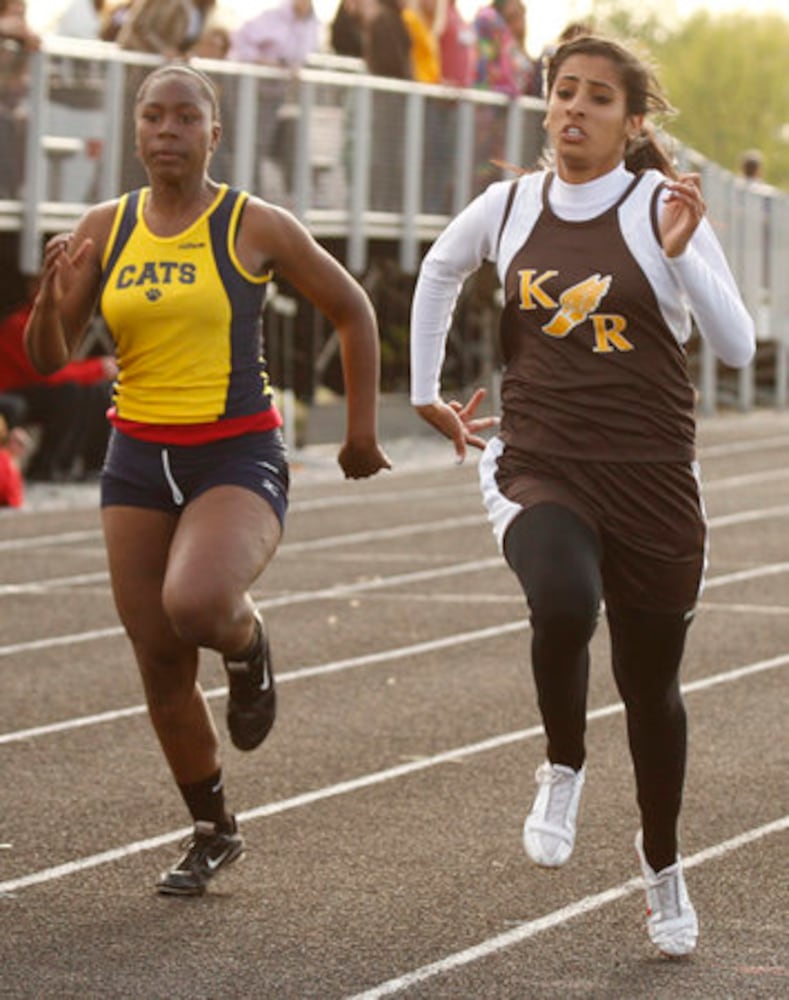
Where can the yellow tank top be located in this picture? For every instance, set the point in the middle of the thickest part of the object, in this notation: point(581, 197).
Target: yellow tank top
point(185, 317)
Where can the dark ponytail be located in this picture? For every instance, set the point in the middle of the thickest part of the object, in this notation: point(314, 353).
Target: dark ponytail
point(647, 151)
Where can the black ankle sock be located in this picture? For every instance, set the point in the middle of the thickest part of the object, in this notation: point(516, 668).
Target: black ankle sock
point(253, 649)
point(205, 800)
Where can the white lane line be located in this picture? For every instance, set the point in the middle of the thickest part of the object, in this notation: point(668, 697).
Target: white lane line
point(54, 583)
point(746, 479)
point(52, 642)
point(738, 447)
point(11, 886)
point(531, 928)
point(330, 542)
point(748, 516)
point(340, 590)
point(298, 507)
point(360, 537)
point(769, 569)
point(42, 541)
point(392, 496)
point(362, 586)
point(386, 655)
point(381, 534)
point(774, 610)
point(83, 578)
point(322, 669)
point(286, 549)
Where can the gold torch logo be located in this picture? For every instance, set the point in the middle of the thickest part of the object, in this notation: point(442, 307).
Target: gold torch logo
point(576, 303)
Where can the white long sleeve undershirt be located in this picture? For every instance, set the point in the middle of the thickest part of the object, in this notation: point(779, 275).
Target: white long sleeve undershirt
point(704, 282)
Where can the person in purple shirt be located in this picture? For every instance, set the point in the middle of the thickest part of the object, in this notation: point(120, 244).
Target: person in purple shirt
point(281, 36)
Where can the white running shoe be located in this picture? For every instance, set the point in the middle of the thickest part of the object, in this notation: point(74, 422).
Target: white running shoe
point(549, 830)
point(671, 920)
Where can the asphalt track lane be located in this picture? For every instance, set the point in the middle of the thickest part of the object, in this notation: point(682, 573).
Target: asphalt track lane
point(383, 816)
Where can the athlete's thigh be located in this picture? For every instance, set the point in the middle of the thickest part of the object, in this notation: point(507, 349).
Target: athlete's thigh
point(224, 540)
point(138, 543)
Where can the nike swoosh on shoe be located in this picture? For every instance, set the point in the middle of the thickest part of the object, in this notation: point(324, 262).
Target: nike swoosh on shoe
point(213, 863)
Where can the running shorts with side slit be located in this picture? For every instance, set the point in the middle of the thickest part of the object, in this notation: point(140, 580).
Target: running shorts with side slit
point(167, 477)
point(648, 516)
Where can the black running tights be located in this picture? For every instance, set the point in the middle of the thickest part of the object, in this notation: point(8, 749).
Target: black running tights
point(557, 558)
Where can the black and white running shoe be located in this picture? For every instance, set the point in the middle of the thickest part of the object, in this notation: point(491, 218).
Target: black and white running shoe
point(208, 849)
point(252, 700)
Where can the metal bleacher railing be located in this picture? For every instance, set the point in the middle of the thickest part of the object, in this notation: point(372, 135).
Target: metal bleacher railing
point(363, 161)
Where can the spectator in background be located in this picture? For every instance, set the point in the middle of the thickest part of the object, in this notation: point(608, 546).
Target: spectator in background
point(499, 69)
point(752, 165)
point(112, 17)
point(458, 47)
point(17, 40)
point(170, 28)
point(13, 409)
point(387, 43)
point(13, 445)
point(346, 32)
point(387, 52)
point(280, 36)
point(283, 36)
point(527, 72)
point(214, 43)
point(14, 27)
point(70, 406)
point(424, 20)
point(420, 20)
point(574, 29)
point(499, 65)
point(81, 19)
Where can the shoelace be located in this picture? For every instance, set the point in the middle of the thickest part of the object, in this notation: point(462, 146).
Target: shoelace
point(560, 796)
point(197, 842)
point(665, 898)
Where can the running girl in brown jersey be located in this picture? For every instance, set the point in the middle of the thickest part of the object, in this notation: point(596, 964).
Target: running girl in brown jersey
point(590, 483)
point(194, 487)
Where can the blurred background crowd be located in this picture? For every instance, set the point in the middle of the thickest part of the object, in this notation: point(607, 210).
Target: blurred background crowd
point(423, 40)
point(420, 41)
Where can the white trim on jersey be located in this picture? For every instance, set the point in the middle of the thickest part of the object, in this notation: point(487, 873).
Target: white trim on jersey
point(698, 282)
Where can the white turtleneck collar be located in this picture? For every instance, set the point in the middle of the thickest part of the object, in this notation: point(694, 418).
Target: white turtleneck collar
point(577, 202)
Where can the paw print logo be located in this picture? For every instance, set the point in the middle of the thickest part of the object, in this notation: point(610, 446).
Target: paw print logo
point(153, 294)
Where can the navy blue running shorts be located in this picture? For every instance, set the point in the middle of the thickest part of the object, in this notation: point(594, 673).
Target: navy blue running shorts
point(168, 476)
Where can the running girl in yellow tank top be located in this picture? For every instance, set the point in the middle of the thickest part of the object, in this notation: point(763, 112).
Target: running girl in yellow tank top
point(194, 487)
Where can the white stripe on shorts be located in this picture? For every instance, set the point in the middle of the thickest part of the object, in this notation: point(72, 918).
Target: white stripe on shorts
point(501, 511)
